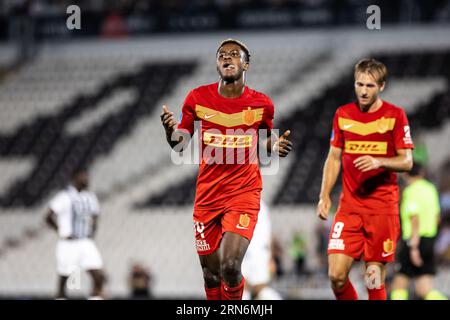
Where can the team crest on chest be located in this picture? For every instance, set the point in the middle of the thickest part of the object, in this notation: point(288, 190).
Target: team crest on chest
point(383, 125)
point(249, 116)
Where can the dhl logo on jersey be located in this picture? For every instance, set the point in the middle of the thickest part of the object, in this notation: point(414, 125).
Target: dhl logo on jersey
point(247, 117)
point(227, 140)
point(381, 125)
point(366, 147)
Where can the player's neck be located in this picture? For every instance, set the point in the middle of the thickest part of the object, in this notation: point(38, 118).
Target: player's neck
point(231, 89)
point(374, 107)
point(411, 180)
point(78, 187)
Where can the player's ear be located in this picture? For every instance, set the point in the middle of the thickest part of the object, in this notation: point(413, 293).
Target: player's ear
point(382, 86)
point(246, 66)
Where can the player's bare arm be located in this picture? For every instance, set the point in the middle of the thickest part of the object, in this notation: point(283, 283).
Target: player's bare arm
point(403, 161)
point(50, 219)
point(170, 124)
point(282, 145)
point(331, 171)
point(414, 242)
point(94, 225)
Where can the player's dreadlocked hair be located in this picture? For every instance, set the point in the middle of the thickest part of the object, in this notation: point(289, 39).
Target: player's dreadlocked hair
point(240, 44)
point(373, 67)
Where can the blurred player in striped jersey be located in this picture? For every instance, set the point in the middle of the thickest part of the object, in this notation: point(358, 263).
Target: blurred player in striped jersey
point(229, 182)
point(258, 262)
point(73, 213)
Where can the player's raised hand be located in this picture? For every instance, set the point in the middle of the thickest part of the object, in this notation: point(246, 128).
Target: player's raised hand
point(283, 145)
point(168, 120)
point(366, 163)
point(323, 207)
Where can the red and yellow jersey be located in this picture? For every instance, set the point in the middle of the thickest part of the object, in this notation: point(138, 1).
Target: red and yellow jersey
point(229, 143)
point(378, 134)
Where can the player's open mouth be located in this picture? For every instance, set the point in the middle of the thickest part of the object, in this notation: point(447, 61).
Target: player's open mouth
point(228, 66)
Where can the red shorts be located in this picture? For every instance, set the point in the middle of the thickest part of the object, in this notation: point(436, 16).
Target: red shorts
point(210, 225)
point(374, 235)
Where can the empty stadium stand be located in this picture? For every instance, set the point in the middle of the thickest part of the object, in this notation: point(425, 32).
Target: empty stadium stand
point(53, 141)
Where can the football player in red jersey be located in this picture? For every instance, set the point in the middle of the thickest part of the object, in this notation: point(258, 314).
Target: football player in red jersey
point(371, 139)
point(229, 182)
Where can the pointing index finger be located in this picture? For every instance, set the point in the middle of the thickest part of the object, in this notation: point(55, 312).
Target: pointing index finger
point(286, 134)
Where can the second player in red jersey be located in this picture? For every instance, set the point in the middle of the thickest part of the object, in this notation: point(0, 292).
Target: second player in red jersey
point(371, 139)
point(378, 134)
point(229, 183)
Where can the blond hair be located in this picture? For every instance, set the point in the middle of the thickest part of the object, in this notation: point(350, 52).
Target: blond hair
point(373, 67)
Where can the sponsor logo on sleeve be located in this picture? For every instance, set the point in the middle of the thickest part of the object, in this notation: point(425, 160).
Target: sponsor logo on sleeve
point(407, 137)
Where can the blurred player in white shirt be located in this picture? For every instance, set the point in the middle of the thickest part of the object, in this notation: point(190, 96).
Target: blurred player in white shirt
point(73, 213)
point(256, 266)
